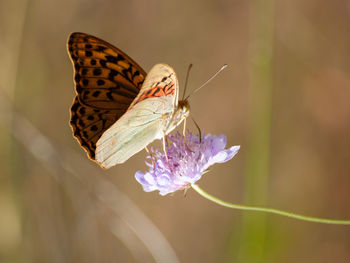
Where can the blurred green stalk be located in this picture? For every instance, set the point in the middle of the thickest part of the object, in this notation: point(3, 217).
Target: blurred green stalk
point(13, 39)
point(251, 240)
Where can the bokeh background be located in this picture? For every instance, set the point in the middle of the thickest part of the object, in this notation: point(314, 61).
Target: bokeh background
point(285, 98)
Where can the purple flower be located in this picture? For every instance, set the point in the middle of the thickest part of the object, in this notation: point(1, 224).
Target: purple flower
point(188, 159)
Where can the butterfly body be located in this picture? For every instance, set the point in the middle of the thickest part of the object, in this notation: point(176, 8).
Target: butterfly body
point(119, 110)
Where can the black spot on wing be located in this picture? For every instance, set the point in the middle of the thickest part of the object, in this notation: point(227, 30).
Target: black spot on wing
point(97, 71)
point(88, 53)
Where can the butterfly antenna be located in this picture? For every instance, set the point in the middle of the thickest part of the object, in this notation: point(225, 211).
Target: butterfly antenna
point(199, 129)
point(205, 83)
point(187, 75)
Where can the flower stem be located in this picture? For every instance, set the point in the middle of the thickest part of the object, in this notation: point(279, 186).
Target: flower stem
point(268, 210)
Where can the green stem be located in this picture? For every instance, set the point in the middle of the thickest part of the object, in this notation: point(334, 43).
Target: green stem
point(268, 210)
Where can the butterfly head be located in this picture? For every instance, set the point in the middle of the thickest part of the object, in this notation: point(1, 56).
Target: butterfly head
point(183, 108)
point(180, 114)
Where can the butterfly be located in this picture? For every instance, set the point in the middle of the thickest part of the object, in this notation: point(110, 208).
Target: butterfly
point(118, 109)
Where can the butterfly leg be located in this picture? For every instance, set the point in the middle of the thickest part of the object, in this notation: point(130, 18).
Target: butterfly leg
point(165, 141)
point(184, 129)
point(183, 133)
point(199, 129)
point(152, 157)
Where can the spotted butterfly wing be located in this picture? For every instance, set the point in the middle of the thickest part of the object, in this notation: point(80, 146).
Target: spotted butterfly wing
point(149, 117)
point(106, 82)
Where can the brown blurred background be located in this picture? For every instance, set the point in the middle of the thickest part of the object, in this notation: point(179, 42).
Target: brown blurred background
point(284, 98)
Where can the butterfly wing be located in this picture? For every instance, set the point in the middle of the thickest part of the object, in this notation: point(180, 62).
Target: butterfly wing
point(144, 121)
point(106, 82)
point(162, 82)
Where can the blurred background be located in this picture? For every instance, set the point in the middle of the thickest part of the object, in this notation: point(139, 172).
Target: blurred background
point(284, 98)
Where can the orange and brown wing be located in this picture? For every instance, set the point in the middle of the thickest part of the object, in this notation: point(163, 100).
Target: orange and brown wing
point(162, 82)
point(106, 82)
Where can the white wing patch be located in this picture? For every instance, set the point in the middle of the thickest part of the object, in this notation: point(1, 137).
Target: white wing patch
point(136, 129)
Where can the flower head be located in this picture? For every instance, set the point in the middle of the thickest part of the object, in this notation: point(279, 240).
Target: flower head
point(188, 158)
